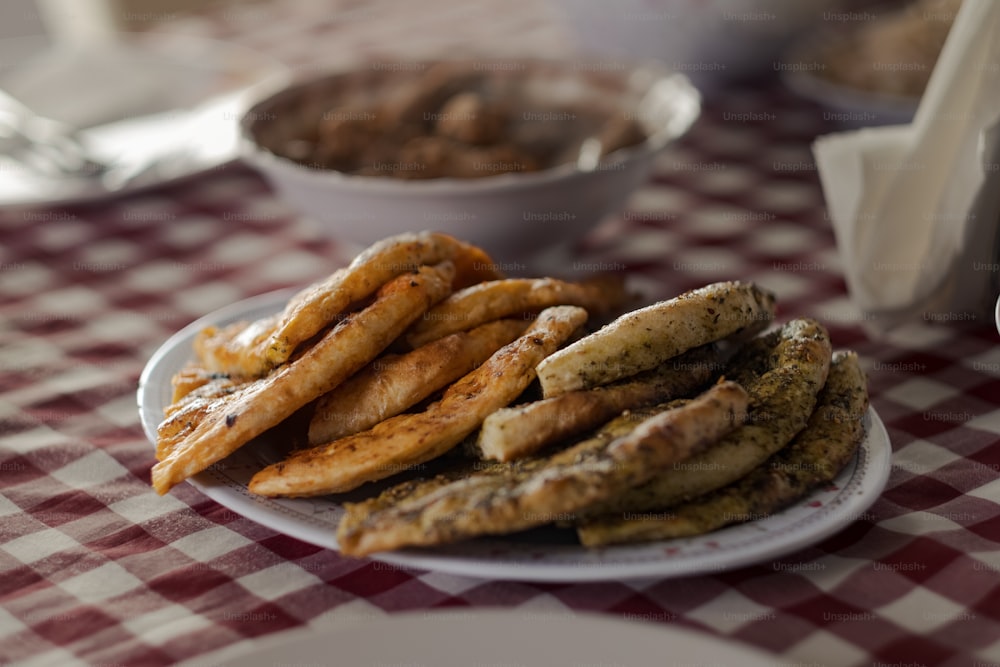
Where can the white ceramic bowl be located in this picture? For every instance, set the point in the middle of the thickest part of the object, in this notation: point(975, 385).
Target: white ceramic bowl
point(512, 215)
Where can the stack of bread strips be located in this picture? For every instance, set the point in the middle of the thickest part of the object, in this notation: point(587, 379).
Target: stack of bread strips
point(547, 490)
point(411, 316)
point(814, 457)
point(673, 419)
point(645, 356)
point(634, 449)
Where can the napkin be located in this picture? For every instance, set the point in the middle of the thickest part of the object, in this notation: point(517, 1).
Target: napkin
point(916, 208)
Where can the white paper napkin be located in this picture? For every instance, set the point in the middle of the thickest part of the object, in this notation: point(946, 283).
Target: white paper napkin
point(916, 208)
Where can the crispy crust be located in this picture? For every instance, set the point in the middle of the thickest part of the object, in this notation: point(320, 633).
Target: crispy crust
point(393, 383)
point(253, 349)
point(519, 431)
point(236, 349)
point(541, 490)
point(644, 338)
point(815, 457)
point(230, 421)
point(495, 299)
point(783, 372)
point(401, 442)
point(194, 380)
point(195, 392)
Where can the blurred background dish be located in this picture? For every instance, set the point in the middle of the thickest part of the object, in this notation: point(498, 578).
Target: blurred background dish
point(714, 42)
point(565, 117)
point(873, 68)
point(161, 106)
point(96, 83)
point(847, 106)
point(866, 62)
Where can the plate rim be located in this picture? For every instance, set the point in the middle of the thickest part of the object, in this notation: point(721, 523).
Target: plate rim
point(872, 462)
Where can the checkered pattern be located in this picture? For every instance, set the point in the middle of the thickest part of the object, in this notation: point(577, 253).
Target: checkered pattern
point(97, 569)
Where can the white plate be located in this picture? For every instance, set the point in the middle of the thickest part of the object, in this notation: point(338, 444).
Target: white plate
point(176, 98)
point(484, 637)
point(534, 556)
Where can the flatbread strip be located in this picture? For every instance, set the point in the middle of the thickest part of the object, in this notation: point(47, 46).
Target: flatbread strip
point(783, 372)
point(195, 379)
point(191, 404)
point(393, 383)
point(252, 349)
point(544, 491)
point(401, 442)
point(644, 338)
point(495, 299)
point(815, 457)
point(231, 421)
point(521, 430)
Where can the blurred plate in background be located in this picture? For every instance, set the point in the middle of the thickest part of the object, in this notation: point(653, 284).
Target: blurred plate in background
point(168, 101)
point(529, 638)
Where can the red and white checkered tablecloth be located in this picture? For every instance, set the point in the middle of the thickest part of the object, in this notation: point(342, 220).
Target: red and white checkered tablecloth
point(95, 568)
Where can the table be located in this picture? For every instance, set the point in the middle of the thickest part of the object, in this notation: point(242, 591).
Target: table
point(98, 569)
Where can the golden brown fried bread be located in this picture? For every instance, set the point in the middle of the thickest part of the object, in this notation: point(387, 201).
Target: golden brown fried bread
point(521, 430)
point(253, 349)
point(393, 383)
point(229, 422)
point(401, 442)
point(496, 299)
point(194, 379)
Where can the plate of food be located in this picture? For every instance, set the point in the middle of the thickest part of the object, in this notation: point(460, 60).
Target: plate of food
point(530, 450)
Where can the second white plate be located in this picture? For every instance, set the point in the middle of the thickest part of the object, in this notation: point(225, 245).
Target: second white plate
point(169, 100)
point(534, 557)
point(483, 637)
